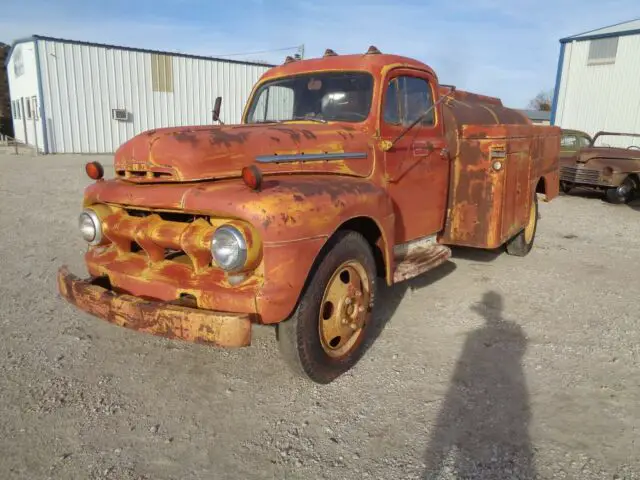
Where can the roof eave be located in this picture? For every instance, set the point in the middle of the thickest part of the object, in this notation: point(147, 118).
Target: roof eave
point(132, 49)
point(595, 36)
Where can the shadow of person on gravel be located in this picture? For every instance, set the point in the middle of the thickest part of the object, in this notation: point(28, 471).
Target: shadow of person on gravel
point(482, 429)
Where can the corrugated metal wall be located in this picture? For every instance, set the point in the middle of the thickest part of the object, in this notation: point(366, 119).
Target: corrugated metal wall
point(83, 83)
point(595, 97)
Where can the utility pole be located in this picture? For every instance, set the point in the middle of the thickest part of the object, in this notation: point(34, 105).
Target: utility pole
point(301, 51)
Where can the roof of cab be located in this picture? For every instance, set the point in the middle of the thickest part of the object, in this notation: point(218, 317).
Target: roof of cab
point(371, 62)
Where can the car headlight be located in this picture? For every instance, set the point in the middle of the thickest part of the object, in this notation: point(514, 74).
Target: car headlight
point(229, 248)
point(90, 227)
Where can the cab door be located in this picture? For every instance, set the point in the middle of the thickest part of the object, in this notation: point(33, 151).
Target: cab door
point(417, 166)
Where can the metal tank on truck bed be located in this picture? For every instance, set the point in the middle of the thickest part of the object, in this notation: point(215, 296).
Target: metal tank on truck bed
point(347, 171)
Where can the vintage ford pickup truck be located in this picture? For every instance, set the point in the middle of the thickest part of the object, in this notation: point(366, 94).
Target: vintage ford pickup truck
point(347, 171)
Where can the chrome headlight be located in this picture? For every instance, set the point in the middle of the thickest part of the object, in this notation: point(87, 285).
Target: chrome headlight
point(229, 248)
point(90, 227)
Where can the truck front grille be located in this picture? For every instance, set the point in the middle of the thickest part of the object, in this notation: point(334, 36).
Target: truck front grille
point(580, 174)
point(161, 236)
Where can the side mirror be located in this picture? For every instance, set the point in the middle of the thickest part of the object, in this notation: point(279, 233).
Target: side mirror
point(215, 114)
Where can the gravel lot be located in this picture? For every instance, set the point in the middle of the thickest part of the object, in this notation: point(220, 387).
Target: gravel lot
point(490, 367)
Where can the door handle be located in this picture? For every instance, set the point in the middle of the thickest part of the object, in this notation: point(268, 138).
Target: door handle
point(426, 147)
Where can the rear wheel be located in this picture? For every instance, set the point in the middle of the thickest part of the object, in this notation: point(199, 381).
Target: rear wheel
point(622, 194)
point(330, 328)
point(521, 244)
point(565, 187)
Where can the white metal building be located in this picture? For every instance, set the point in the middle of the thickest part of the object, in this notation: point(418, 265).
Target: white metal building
point(77, 97)
point(598, 81)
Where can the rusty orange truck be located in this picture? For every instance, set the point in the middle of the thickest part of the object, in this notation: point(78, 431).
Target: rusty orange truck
point(346, 171)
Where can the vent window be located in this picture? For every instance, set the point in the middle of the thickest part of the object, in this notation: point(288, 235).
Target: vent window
point(602, 51)
point(162, 73)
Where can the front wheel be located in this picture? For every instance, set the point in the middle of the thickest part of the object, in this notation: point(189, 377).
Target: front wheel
point(521, 244)
point(622, 194)
point(330, 328)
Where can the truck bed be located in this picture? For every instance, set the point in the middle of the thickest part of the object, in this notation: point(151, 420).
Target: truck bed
point(486, 206)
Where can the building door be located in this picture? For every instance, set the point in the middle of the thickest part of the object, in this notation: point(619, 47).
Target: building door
point(24, 120)
point(417, 172)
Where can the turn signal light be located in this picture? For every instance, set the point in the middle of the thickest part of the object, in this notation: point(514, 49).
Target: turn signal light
point(252, 177)
point(94, 170)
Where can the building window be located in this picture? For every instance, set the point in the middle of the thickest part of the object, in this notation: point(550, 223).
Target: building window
point(34, 106)
point(29, 112)
point(17, 114)
point(18, 62)
point(161, 73)
point(602, 50)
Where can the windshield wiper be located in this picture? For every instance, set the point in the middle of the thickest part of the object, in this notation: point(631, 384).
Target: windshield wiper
point(311, 119)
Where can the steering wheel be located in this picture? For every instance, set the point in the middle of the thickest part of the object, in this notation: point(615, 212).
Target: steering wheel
point(633, 147)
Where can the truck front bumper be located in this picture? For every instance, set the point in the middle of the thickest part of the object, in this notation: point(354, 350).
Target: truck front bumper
point(158, 318)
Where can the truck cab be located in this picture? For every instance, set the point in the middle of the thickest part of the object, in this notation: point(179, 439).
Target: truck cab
point(346, 171)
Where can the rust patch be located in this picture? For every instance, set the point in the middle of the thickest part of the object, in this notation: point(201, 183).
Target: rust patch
point(219, 135)
point(267, 221)
point(157, 318)
point(308, 134)
point(336, 190)
point(293, 134)
point(187, 136)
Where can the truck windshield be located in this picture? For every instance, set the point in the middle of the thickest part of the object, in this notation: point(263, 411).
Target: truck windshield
point(339, 96)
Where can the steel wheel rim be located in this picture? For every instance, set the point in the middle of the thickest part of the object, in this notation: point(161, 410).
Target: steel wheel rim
point(344, 309)
point(529, 229)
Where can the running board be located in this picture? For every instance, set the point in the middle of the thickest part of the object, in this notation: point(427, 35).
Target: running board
point(418, 256)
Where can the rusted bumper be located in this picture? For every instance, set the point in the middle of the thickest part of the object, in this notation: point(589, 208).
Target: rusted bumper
point(157, 318)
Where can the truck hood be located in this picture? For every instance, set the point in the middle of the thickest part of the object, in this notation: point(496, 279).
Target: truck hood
point(214, 152)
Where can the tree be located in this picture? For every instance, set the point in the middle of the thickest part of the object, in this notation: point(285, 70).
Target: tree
point(543, 101)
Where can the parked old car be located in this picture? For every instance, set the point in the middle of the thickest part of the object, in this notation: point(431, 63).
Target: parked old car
point(347, 171)
point(593, 163)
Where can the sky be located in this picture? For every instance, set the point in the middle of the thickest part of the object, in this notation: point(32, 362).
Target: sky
point(503, 48)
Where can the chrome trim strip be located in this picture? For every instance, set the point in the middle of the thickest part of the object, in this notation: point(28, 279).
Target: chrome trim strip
point(310, 157)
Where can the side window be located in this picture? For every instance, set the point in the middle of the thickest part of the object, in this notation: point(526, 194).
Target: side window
point(391, 106)
point(584, 142)
point(568, 142)
point(29, 112)
point(408, 98)
point(416, 100)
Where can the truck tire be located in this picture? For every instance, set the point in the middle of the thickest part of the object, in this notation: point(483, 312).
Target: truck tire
point(331, 326)
point(622, 194)
point(521, 244)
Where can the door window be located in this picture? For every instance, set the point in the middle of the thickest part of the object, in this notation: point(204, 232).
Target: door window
point(407, 99)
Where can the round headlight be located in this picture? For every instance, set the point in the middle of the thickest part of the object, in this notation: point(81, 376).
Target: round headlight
point(90, 227)
point(229, 248)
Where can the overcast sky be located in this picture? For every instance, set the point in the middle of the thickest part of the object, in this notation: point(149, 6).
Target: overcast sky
point(497, 47)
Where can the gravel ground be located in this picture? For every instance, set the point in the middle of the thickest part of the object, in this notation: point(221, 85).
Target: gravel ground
point(489, 367)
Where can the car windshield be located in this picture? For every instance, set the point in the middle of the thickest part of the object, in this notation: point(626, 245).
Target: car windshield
point(322, 97)
point(622, 140)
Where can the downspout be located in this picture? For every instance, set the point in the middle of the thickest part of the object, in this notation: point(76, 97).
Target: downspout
point(556, 92)
point(43, 116)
